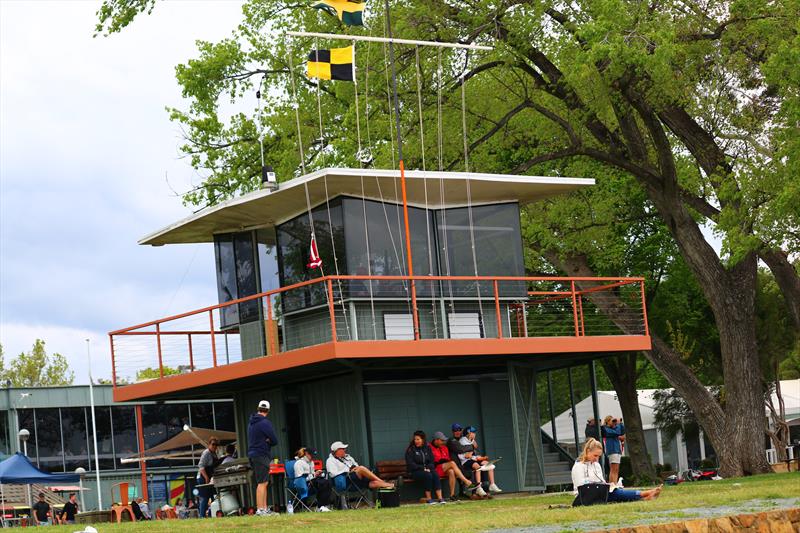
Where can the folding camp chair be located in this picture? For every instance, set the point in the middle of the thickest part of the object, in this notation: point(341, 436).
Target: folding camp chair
point(346, 492)
point(296, 488)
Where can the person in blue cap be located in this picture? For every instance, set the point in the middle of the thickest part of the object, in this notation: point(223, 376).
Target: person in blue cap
point(471, 460)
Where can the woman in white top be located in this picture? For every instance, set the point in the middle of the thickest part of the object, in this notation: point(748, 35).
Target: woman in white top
point(316, 482)
point(587, 469)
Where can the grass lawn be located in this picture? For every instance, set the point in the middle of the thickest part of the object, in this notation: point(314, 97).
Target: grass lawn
point(503, 512)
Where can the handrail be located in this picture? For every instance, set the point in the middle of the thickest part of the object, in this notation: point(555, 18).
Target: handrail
point(532, 311)
point(370, 278)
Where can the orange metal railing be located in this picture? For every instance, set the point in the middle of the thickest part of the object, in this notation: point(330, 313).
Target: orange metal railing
point(379, 308)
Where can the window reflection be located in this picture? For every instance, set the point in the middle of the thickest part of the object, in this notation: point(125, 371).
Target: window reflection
point(26, 421)
point(76, 438)
point(126, 443)
point(48, 440)
point(224, 418)
point(105, 438)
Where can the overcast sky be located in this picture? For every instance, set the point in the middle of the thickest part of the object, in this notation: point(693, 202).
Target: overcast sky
point(85, 144)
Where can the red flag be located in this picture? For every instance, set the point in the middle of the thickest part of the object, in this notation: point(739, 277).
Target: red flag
point(314, 260)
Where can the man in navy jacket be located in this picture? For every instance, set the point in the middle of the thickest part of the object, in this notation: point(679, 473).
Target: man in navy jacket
point(261, 438)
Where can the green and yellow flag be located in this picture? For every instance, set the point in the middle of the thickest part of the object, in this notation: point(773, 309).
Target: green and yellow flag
point(333, 64)
point(350, 13)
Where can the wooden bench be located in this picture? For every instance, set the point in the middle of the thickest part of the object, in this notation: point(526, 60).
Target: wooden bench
point(392, 470)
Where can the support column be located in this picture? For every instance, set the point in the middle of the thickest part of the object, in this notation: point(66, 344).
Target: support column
point(142, 464)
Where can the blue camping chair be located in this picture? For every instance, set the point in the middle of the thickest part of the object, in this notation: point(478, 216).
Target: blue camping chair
point(296, 488)
point(347, 492)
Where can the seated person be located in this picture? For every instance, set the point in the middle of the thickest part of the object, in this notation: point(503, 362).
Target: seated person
point(308, 481)
point(446, 467)
point(138, 512)
point(587, 469)
point(342, 468)
point(472, 461)
point(180, 509)
point(230, 454)
point(419, 463)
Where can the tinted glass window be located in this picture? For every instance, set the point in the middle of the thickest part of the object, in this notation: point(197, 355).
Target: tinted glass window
point(224, 417)
point(126, 442)
point(4, 437)
point(246, 276)
point(76, 438)
point(497, 241)
point(202, 415)
point(26, 421)
point(294, 241)
point(162, 422)
point(48, 440)
point(267, 259)
point(105, 438)
point(384, 253)
point(226, 278)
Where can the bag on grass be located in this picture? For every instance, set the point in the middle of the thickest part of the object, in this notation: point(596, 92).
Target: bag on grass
point(591, 494)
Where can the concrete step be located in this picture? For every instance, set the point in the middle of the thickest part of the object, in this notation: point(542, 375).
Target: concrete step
point(551, 457)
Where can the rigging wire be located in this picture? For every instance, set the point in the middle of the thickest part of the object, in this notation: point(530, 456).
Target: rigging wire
point(440, 144)
point(327, 201)
point(360, 157)
point(296, 105)
point(469, 194)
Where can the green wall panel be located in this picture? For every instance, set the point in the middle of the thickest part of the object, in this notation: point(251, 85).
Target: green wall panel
point(333, 409)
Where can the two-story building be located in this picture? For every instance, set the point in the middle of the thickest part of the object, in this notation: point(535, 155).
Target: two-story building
point(364, 351)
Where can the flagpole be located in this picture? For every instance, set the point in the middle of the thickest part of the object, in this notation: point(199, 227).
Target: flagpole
point(94, 431)
point(391, 41)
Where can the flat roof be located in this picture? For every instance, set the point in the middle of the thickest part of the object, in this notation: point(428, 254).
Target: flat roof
point(265, 207)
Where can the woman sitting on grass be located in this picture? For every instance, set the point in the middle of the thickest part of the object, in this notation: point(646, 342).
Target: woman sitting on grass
point(587, 469)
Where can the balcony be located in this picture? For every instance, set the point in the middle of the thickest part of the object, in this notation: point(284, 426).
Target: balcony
point(359, 318)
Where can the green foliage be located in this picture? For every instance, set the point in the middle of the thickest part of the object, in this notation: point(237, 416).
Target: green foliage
point(153, 373)
point(778, 343)
point(36, 368)
point(114, 15)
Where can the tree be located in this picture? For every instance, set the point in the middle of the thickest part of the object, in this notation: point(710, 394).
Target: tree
point(36, 368)
point(696, 103)
point(153, 373)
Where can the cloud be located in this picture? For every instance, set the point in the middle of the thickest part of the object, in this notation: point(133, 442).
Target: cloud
point(85, 145)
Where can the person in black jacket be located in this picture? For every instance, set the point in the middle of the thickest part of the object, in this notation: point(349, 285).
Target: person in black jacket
point(421, 467)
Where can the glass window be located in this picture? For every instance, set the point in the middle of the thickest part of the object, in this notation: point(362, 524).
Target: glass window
point(4, 437)
point(223, 416)
point(48, 440)
point(26, 421)
point(497, 240)
point(161, 422)
point(267, 259)
point(294, 242)
point(126, 443)
point(105, 439)
point(76, 438)
point(246, 275)
point(226, 278)
point(387, 245)
point(202, 415)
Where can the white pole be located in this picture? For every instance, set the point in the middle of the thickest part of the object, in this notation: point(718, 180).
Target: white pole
point(94, 430)
point(386, 40)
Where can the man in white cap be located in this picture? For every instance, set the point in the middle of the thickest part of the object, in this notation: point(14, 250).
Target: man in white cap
point(261, 438)
point(342, 468)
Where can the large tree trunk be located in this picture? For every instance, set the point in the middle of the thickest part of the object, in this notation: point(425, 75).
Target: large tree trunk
point(621, 370)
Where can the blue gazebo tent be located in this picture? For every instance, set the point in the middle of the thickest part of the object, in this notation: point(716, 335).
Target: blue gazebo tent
point(17, 469)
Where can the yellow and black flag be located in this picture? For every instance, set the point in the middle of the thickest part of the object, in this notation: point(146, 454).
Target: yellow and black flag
point(333, 64)
point(350, 13)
